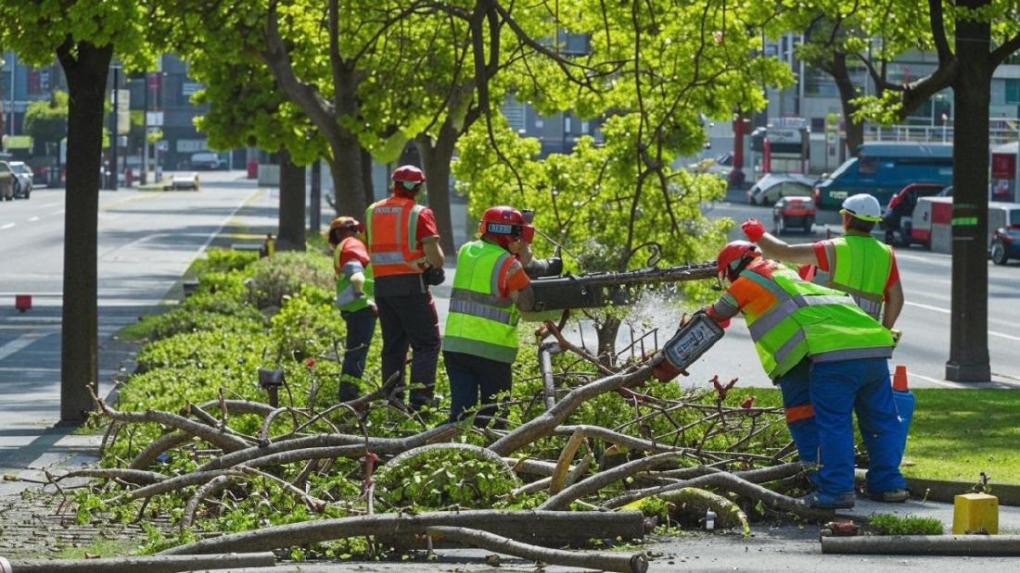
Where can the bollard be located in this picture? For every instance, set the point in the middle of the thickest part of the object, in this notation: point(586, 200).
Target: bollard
point(23, 302)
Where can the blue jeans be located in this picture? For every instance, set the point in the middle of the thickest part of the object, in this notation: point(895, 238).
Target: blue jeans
point(838, 389)
point(471, 376)
point(800, 416)
point(360, 327)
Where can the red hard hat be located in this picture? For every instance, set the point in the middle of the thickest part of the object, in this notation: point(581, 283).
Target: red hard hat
point(731, 255)
point(505, 224)
point(408, 177)
point(344, 224)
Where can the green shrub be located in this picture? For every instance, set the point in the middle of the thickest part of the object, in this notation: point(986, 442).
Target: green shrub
point(888, 524)
point(285, 273)
point(445, 478)
point(217, 351)
point(307, 325)
point(223, 260)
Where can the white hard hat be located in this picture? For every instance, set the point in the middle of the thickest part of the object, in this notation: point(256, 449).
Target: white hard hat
point(862, 206)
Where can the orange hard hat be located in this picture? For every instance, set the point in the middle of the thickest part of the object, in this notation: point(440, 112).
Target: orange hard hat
point(504, 225)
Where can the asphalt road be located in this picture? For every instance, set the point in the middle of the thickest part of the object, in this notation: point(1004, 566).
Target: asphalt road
point(924, 321)
point(146, 240)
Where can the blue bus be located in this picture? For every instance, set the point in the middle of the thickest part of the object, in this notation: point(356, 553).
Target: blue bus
point(882, 169)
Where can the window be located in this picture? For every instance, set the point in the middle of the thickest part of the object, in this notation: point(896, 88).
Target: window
point(1012, 91)
point(867, 166)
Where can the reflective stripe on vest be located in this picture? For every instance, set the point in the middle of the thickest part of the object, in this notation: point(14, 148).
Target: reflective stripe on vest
point(345, 296)
point(859, 266)
point(809, 320)
point(391, 226)
point(480, 322)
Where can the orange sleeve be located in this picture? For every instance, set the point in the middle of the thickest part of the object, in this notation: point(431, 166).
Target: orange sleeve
point(514, 278)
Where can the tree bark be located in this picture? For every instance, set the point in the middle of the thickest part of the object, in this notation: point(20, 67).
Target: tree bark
point(348, 177)
point(366, 177)
point(549, 528)
point(291, 233)
point(85, 67)
point(968, 339)
point(847, 92)
point(436, 155)
point(147, 563)
point(315, 203)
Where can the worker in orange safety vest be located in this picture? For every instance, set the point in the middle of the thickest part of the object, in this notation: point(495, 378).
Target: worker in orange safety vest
point(403, 246)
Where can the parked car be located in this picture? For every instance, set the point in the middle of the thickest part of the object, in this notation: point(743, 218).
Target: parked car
point(22, 179)
point(1003, 221)
point(883, 168)
point(206, 161)
point(794, 211)
point(6, 181)
point(774, 186)
point(720, 165)
point(896, 217)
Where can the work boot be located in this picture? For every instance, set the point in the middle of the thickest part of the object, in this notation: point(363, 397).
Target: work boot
point(819, 500)
point(891, 496)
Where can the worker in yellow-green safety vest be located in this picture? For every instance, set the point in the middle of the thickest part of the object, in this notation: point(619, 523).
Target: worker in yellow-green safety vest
point(489, 288)
point(855, 263)
point(829, 359)
point(354, 289)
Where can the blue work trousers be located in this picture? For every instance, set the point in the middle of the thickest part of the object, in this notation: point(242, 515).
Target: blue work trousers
point(838, 389)
point(800, 416)
point(360, 327)
point(473, 378)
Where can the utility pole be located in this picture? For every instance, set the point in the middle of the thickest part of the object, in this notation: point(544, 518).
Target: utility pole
point(112, 184)
point(145, 131)
point(315, 208)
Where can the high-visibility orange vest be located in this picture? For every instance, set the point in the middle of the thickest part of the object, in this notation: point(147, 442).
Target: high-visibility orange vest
point(391, 228)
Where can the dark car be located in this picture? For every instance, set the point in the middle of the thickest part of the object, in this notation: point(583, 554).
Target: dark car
point(796, 212)
point(896, 217)
point(1006, 240)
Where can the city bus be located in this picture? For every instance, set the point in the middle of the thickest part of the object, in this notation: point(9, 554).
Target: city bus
point(883, 168)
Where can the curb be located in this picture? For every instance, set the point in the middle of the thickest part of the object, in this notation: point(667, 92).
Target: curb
point(946, 491)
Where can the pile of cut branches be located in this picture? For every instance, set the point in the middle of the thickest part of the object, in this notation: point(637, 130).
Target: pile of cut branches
point(193, 438)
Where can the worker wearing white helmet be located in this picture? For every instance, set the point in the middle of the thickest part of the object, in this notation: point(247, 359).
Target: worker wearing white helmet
point(855, 263)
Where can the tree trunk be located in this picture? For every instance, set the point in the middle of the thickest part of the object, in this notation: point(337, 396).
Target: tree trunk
point(436, 155)
point(291, 235)
point(847, 92)
point(85, 67)
point(348, 178)
point(607, 332)
point(968, 341)
point(366, 177)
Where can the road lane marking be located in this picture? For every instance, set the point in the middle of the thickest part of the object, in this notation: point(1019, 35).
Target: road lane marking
point(946, 260)
point(7, 226)
point(945, 383)
point(60, 212)
point(44, 205)
point(33, 219)
point(946, 311)
point(20, 343)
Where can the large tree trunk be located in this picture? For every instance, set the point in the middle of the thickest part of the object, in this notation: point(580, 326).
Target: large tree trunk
point(366, 177)
point(847, 92)
point(968, 342)
point(85, 67)
point(315, 200)
point(436, 155)
point(348, 178)
point(291, 236)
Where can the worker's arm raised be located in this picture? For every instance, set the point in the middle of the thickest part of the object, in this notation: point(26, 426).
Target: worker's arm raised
point(775, 248)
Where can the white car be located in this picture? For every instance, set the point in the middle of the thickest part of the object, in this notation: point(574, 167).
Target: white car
point(22, 179)
point(183, 180)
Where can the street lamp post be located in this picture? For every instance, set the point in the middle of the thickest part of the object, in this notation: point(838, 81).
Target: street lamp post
point(112, 181)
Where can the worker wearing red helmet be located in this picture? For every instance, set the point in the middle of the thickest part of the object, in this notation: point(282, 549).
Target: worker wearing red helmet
point(489, 288)
point(828, 358)
point(354, 288)
point(855, 263)
point(403, 245)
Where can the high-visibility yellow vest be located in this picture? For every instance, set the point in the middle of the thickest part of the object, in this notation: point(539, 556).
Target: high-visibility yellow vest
point(480, 322)
point(345, 296)
point(860, 266)
point(793, 319)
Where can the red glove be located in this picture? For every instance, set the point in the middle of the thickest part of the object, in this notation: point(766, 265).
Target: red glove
point(754, 229)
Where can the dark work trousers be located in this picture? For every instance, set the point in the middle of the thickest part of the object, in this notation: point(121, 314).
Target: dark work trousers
point(360, 327)
point(409, 320)
point(470, 376)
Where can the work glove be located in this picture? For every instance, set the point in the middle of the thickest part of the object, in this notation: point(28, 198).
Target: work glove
point(433, 276)
point(538, 268)
point(754, 229)
point(896, 335)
